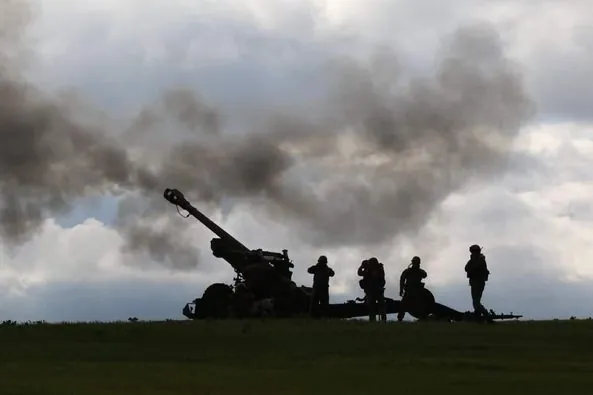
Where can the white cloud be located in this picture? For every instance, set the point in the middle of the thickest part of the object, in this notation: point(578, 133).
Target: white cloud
point(206, 44)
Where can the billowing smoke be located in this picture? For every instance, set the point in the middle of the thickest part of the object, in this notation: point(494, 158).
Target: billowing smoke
point(373, 163)
point(413, 141)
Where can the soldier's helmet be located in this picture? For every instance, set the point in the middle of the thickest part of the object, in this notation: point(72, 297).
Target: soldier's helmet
point(475, 249)
point(416, 260)
point(374, 261)
point(322, 259)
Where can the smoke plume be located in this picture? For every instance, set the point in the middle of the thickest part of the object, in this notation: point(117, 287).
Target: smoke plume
point(371, 165)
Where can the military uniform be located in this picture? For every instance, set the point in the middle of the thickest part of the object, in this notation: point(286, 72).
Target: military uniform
point(477, 272)
point(373, 284)
point(321, 274)
point(410, 283)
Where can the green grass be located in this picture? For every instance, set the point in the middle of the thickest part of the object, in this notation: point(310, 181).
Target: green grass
point(297, 357)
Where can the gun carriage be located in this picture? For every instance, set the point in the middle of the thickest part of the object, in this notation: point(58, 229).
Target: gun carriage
point(263, 285)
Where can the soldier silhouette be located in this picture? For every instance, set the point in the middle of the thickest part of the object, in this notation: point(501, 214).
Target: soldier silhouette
point(410, 283)
point(321, 274)
point(477, 272)
point(373, 285)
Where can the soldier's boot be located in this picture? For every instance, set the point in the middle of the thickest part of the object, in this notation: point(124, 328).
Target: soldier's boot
point(482, 314)
point(402, 309)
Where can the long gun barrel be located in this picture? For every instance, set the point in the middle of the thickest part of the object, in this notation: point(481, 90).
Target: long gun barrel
point(176, 198)
point(262, 272)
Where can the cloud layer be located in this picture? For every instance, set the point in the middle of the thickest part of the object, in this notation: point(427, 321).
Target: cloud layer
point(353, 142)
point(411, 143)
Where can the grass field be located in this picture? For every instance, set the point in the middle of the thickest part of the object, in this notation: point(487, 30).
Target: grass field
point(298, 357)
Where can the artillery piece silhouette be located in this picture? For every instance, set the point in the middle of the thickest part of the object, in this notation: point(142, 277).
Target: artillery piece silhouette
point(263, 285)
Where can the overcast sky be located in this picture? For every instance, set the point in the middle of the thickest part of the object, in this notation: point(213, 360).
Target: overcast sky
point(529, 208)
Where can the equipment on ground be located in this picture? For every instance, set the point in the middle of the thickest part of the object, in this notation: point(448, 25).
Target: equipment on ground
point(263, 285)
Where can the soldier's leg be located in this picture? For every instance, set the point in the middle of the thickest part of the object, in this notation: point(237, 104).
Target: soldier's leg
point(402, 307)
point(382, 306)
point(477, 292)
point(324, 300)
point(314, 302)
point(372, 306)
point(375, 304)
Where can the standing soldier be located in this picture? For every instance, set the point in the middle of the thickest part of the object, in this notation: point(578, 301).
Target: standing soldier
point(321, 273)
point(410, 283)
point(477, 273)
point(373, 284)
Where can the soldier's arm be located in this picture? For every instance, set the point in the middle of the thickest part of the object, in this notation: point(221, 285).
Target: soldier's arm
point(311, 270)
point(468, 267)
point(424, 274)
point(331, 272)
point(402, 280)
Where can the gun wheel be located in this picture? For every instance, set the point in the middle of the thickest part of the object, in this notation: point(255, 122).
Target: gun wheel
point(216, 300)
point(422, 304)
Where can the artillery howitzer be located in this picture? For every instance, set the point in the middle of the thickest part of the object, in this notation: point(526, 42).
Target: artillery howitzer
point(263, 285)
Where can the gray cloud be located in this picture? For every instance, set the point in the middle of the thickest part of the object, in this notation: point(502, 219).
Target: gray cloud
point(562, 82)
point(251, 64)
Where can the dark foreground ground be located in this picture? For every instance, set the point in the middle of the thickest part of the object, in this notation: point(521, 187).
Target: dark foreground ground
point(297, 357)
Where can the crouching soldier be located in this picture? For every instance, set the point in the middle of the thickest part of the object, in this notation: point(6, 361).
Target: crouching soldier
point(321, 274)
point(373, 285)
point(410, 285)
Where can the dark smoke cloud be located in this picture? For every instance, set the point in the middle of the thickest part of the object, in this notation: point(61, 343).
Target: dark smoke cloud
point(370, 165)
point(48, 157)
point(421, 138)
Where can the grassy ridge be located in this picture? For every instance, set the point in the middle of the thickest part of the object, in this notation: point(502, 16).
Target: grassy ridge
point(297, 357)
